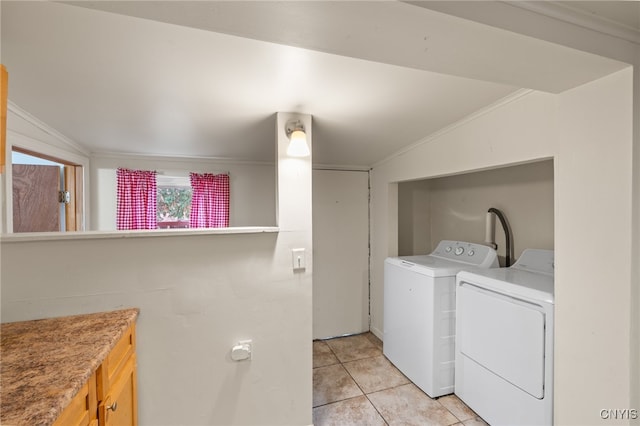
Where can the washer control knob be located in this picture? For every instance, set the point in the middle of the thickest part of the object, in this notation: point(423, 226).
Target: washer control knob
point(459, 251)
point(447, 249)
point(471, 252)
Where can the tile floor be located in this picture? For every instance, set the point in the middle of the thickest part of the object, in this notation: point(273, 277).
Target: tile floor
point(355, 384)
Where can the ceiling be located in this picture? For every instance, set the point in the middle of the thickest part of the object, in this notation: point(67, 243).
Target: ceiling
point(205, 78)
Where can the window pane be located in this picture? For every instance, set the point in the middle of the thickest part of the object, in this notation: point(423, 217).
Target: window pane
point(174, 206)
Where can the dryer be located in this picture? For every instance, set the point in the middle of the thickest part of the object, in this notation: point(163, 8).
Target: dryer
point(504, 341)
point(419, 311)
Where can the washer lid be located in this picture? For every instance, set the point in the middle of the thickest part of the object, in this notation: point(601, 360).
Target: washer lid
point(536, 260)
point(428, 265)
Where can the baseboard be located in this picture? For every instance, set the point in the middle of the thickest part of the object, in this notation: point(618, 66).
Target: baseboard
point(377, 332)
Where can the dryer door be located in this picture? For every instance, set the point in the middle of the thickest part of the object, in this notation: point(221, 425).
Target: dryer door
point(504, 335)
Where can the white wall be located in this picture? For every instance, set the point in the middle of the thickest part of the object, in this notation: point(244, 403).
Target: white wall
point(414, 218)
point(198, 296)
point(455, 207)
point(588, 132)
point(252, 201)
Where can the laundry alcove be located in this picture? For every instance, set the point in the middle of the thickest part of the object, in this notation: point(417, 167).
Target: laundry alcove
point(454, 207)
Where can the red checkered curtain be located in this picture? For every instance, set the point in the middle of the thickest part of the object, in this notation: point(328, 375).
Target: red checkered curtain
point(209, 200)
point(137, 197)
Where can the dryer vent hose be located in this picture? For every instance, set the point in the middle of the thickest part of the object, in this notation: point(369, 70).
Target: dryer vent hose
point(490, 229)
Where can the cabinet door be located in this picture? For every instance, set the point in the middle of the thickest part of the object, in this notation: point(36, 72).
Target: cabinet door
point(119, 407)
point(81, 411)
point(113, 365)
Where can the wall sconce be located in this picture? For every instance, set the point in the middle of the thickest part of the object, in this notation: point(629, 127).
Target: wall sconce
point(298, 139)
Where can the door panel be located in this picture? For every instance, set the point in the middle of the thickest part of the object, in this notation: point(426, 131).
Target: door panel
point(35, 198)
point(340, 253)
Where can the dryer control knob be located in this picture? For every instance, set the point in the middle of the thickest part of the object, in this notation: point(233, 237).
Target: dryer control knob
point(448, 249)
point(471, 252)
point(459, 251)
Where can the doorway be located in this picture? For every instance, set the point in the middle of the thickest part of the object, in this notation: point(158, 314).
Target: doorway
point(340, 252)
point(46, 193)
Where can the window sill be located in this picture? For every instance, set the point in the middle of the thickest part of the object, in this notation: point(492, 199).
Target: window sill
point(96, 235)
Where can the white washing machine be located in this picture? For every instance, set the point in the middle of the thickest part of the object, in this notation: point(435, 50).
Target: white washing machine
point(504, 341)
point(419, 311)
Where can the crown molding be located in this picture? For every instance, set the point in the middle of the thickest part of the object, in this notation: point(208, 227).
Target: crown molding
point(573, 15)
point(341, 167)
point(172, 157)
point(15, 109)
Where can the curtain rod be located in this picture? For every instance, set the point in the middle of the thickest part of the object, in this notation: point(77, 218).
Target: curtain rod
point(162, 172)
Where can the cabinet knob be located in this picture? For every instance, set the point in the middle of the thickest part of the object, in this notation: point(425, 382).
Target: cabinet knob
point(113, 407)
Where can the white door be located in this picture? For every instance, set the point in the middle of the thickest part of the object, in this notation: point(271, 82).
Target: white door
point(340, 252)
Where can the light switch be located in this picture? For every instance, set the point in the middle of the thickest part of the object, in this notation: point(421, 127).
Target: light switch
point(298, 258)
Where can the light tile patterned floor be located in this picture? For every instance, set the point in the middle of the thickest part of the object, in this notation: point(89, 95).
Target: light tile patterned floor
point(355, 384)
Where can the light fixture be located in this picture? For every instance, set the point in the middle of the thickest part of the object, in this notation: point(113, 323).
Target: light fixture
point(298, 139)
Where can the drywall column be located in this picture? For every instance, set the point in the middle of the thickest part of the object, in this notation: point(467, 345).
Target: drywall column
point(294, 179)
point(293, 216)
point(593, 250)
point(634, 377)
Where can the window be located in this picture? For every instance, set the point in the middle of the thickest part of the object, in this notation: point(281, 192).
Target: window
point(174, 202)
point(148, 200)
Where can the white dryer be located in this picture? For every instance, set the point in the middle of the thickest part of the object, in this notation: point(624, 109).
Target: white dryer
point(504, 341)
point(419, 311)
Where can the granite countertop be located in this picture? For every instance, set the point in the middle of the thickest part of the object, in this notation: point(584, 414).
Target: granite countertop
point(44, 363)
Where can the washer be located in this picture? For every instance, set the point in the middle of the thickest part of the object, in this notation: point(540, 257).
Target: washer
point(504, 341)
point(419, 311)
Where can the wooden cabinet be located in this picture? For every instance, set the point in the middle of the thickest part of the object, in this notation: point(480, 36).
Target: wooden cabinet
point(116, 384)
point(82, 410)
point(94, 359)
point(109, 397)
point(119, 408)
